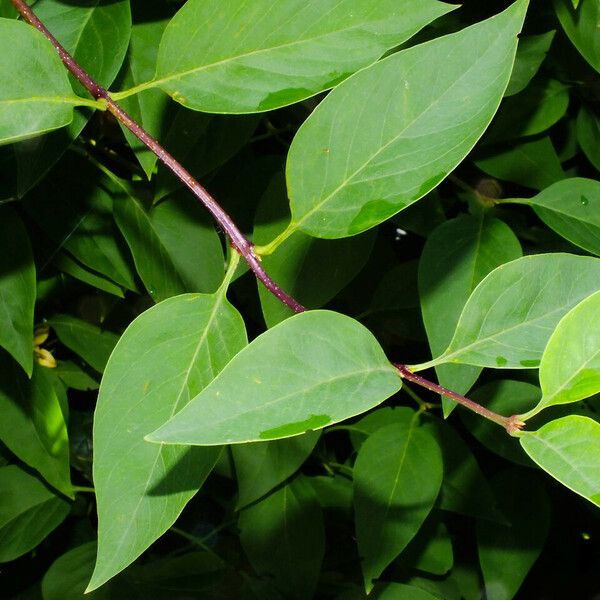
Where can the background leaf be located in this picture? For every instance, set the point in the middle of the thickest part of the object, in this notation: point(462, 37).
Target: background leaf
point(142, 488)
point(531, 53)
point(314, 369)
point(28, 512)
point(392, 497)
point(17, 289)
point(291, 52)
point(457, 256)
point(415, 131)
point(569, 450)
point(510, 316)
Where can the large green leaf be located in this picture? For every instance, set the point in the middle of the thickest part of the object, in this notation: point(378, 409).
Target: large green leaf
point(457, 256)
point(569, 450)
point(284, 540)
point(392, 497)
point(311, 370)
point(572, 208)
point(33, 425)
point(164, 358)
point(39, 102)
point(17, 289)
point(211, 59)
point(29, 511)
point(96, 34)
point(175, 247)
point(507, 551)
point(570, 367)
point(259, 468)
point(89, 341)
point(512, 313)
point(581, 25)
point(312, 270)
point(390, 134)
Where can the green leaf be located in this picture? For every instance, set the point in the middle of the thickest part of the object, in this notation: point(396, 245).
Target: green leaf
point(164, 358)
point(259, 468)
point(505, 397)
point(284, 540)
point(457, 256)
point(532, 164)
point(392, 497)
point(17, 289)
point(510, 316)
point(581, 25)
point(33, 425)
point(28, 512)
point(211, 60)
point(571, 207)
point(76, 214)
point(401, 591)
point(96, 34)
point(431, 549)
point(311, 370)
point(569, 450)
point(89, 341)
point(39, 102)
point(333, 492)
point(390, 134)
point(174, 245)
point(313, 271)
point(570, 367)
point(531, 53)
point(588, 135)
point(74, 377)
point(507, 552)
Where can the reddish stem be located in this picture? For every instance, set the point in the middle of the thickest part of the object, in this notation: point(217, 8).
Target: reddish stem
point(237, 238)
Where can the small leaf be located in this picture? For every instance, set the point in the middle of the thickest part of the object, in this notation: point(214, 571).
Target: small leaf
point(164, 358)
point(33, 425)
point(17, 289)
point(89, 341)
point(390, 134)
point(570, 367)
point(572, 208)
point(39, 102)
point(531, 53)
point(392, 497)
point(283, 538)
point(259, 468)
point(311, 370)
point(457, 256)
point(569, 450)
point(581, 26)
point(28, 512)
point(507, 552)
point(588, 135)
point(512, 313)
point(431, 549)
point(293, 50)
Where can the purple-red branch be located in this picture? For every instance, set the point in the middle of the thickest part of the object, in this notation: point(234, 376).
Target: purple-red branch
point(237, 238)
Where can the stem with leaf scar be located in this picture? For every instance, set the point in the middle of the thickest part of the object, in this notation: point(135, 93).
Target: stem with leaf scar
point(237, 239)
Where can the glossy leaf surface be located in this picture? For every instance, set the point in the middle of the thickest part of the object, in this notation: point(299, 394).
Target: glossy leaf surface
point(314, 369)
point(390, 134)
point(569, 450)
point(17, 289)
point(456, 257)
point(43, 100)
point(210, 60)
point(142, 488)
point(283, 538)
point(392, 497)
point(512, 313)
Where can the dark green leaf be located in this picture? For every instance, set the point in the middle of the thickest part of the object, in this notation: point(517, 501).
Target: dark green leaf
point(588, 135)
point(392, 497)
point(430, 550)
point(390, 134)
point(531, 53)
point(164, 358)
point(284, 539)
point(17, 289)
point(311, 370)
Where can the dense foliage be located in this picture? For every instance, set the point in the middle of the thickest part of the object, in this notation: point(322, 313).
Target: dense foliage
point(423, 178)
